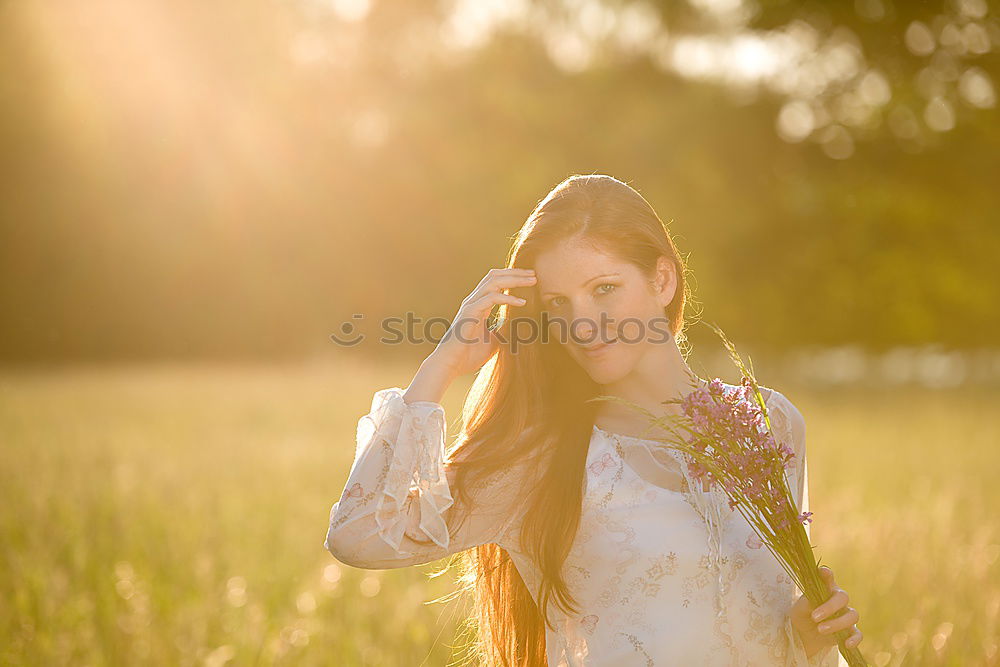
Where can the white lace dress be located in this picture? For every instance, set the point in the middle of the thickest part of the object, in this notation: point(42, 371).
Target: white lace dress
point(663, 577)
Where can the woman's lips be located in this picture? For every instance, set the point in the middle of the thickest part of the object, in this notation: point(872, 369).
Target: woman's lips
point(598, 349)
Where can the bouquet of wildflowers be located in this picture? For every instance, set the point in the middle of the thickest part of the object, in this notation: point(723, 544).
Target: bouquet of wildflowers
point(721, 438)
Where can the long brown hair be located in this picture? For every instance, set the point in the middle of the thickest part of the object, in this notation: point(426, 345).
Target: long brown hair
point(532, 398)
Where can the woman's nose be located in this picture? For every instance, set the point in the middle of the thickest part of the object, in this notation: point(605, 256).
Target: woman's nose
point(584, 326)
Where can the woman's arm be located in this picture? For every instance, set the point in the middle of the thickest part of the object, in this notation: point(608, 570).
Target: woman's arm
point(397, 506)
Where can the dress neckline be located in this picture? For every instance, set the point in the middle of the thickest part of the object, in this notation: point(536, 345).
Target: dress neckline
point(609, 442)
point(622, 436)
point(729, 388)
point(611, 437)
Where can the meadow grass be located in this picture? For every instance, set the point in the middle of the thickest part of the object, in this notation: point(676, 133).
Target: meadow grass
point(163, 514)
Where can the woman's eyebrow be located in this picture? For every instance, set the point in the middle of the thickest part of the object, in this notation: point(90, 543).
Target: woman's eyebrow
point(587, 282)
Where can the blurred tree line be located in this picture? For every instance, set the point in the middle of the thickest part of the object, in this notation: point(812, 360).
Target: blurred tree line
point(239, 178)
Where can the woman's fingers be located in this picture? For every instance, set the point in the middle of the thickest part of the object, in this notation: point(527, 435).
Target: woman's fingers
point(507, 271)
point(836, 601)
point(489, 291)
point(486, 302)
point(501, 275)
point(827, 574)
point(500, 281)
point(842, 622)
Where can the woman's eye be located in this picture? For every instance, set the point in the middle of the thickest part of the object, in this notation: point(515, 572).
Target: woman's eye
point(602, 289)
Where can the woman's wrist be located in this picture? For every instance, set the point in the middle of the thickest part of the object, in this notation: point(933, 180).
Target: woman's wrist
point(810, 648)
point(430, 382)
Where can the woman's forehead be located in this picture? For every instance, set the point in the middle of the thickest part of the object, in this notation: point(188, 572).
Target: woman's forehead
point(573, 257)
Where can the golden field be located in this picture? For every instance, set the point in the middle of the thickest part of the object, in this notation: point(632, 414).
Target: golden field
point(163, 514)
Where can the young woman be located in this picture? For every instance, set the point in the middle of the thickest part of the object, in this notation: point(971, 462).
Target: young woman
point(558, 504)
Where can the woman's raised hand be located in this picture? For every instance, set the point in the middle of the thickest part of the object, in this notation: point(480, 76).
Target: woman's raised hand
point(468, 344)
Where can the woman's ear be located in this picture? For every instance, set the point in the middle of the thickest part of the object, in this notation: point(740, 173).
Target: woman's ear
point(665, 281)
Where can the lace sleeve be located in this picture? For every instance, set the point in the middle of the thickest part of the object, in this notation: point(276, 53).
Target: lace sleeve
point(396, 508)
point(790, 425)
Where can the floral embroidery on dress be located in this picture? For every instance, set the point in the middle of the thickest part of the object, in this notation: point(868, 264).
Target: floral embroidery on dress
point(699, 581)
point(638, 647)
point(339, 515)
point(602, 464)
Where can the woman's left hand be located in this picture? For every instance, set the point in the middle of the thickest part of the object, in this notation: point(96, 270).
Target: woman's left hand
point(816, 627)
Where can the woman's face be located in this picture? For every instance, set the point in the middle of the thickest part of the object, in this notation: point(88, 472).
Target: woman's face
point(605, 311)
